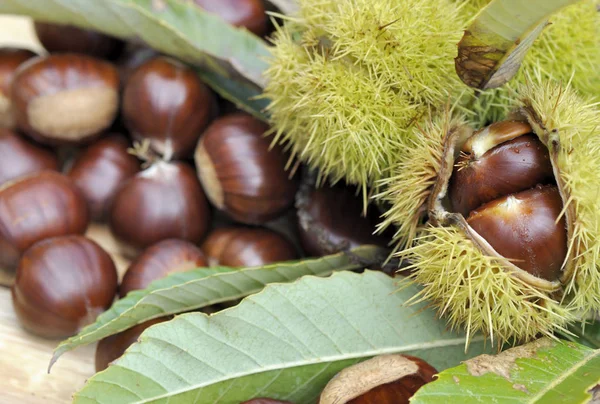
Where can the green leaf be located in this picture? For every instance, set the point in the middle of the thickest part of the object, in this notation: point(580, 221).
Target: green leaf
point(285, 343)
point(493, 47)
point(587, 334)
point(544, 371)
point(175, 27)
point(193, 290)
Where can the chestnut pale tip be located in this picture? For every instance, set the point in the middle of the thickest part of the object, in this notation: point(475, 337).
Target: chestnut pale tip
point(82, 112)
point(208, 177)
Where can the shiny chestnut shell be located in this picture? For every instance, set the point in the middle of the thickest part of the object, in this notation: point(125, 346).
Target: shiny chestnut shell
point(523, 228)
point(62, 284)
point(67, 38)
point(386, 379)
point(19, 157)
point(65, 98)
point(331, 219)
point(246, 247)
point(10, 60)
point(114, 346)
point(36, 207)
point(249, 14)
point(241, 173)
point(100, 169)
point(165, 102)
point(161, 259)
point(161, 202)
point(510, 167)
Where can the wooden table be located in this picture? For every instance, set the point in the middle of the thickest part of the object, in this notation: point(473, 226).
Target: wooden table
point(24, 358)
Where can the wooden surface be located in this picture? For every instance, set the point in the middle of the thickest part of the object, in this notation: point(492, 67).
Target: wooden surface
point(24, 358)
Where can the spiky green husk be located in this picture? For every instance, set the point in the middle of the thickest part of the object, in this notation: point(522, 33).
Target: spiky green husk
point(476, 292)
point(577, 123)
point(568, 50)
point(348, 78)
point(416, 171)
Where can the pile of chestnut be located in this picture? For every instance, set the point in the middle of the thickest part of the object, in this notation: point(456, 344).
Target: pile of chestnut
point(105, 131)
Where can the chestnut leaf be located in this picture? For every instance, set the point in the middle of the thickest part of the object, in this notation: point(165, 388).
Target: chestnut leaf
point(494, 45)
point(175, 27)
point(543, 371)
point(285, 343)
point(202, 287)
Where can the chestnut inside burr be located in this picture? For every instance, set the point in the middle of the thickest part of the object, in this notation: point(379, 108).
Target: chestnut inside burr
point(503, 184)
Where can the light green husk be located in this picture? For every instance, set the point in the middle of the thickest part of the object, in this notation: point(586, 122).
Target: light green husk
point(349, 78)
point(568, 50)
point(477, 291)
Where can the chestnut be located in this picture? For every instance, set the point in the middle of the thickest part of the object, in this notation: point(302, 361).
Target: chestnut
point(161, 202)
point(65, 98)
point(36, 207)
point(62, 284)
point(10, 60)
point(69, 39)
point(114, 346)
point(246, 247)
point(486, 170)
point(249, 14)
point(133, 57)
point(524, 228)
point(385, 379)
point(160, 260)
point(19, 157)
point(241, 174)
point(100, 169)
point(165, 102)
point(331, 219)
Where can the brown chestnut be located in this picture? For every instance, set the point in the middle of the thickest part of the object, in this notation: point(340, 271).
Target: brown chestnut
point(165, 102)
point(246, 247)
point(67, 38)
point(36, 207)
point(65, 98)
point(386, 379)
point(241, 13)
point(100, 169)
point(523, 228)
point(114, 346)
point(19, 157)
point(489, 167)
point(161, 259)
point(133, 57)
point(331, 220)
point(10, 60)
point(241, 174)
point(161, 202)
point(62, 285)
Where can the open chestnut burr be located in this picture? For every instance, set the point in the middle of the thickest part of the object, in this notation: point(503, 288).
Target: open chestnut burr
point(19, 157)
point(10, 60)
point(37, 207)
point(69, 39)
point(503, 185)
point(62, 284)
point(163, 201)
point(246, 247)
point(165, 102)
point(161, 259)
point(241, 173)
point(99, 171)
point(65, 98)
